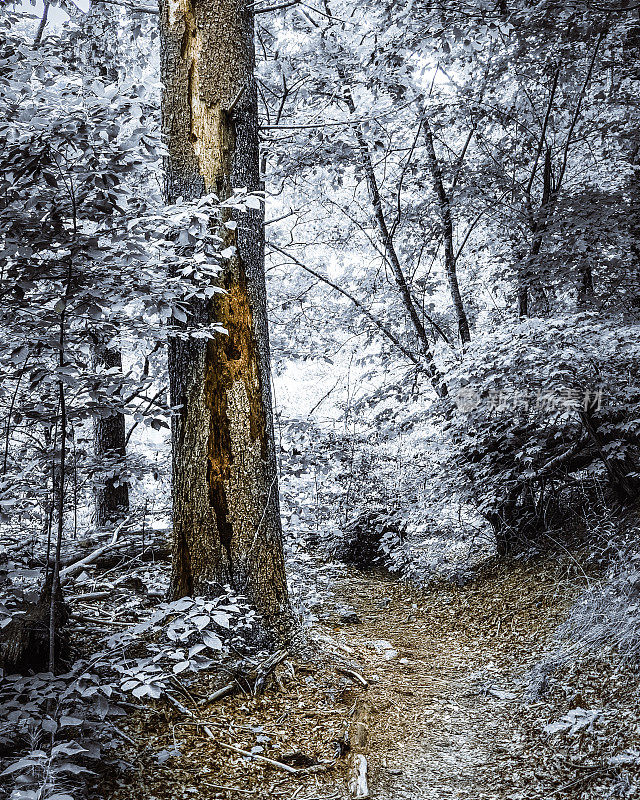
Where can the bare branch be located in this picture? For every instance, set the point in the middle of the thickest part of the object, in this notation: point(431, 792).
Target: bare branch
point(379, 325)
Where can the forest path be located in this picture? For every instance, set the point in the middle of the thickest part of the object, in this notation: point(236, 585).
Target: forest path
point(445, 668)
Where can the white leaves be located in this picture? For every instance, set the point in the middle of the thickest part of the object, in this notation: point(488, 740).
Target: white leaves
point(211, 640)
point(164, 755)
point(180, 667)
point(70, 721)
point(577, 720)
point(228, 252)
point(179, 314)
point(253, 202)
point(222, 619)
point(201, 621)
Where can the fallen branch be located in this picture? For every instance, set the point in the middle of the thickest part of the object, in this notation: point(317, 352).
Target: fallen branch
point(181, 708)
point(78, 566)
point(230, 688)
point(263, 671)
point(358, 784)
point(90, 596)
point(351, 673)
point(100, 620)
point(257, 756)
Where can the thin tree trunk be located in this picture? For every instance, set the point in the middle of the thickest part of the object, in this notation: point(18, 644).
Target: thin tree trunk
point(226, 514)
point(529, 279)
point(444, 208)
point(37, 41)
point(56, 589)
point(110, 445)
point(100, 50)
point(426, 353)
point(585, 290)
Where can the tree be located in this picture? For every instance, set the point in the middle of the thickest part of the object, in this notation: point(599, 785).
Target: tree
point(98, 48)
point(226, 520)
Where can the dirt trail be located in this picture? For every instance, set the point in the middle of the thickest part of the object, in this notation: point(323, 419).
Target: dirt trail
point(444, 669)
point(443, 700)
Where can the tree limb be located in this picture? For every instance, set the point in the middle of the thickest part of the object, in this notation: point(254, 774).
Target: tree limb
point(379, 325)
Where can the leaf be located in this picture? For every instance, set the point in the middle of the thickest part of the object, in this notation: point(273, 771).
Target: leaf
point(23, 763)
point(253, 202)
point(181, 666)
point(158, 423)
point(201, 621)
point(179, 314)
point(50, 179)
point(183, 604)
point(70, 721)
point(67, 749)
point(211, 640)
point(74, 769)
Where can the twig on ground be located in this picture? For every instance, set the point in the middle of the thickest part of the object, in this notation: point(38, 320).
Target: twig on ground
point(351, 673)
point(123, 735)
point(182, 709)
point(220, 693)
point(257, 756)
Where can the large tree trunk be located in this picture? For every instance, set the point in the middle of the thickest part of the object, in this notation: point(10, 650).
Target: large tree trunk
point(226, 511)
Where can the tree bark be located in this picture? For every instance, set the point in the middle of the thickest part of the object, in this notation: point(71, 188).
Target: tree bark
point(110, 449)
point(227, 528)
point(530, 279)
point(444, 209)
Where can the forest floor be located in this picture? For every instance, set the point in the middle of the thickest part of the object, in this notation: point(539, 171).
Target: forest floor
point(455, 707)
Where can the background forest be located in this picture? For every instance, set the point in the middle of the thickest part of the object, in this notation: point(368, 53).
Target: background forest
point(451, 193)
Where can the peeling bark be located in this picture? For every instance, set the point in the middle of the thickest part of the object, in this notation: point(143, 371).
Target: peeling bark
point(227, 526)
